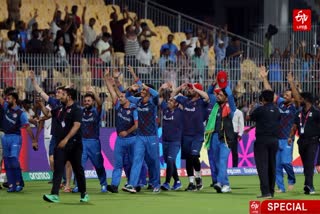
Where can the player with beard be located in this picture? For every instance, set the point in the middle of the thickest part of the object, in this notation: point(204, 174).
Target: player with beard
point(14, 119)
point(90, 128)
point(194, 110)
point(307, 122)
point(288, 108)
point(54, 102)
point(219, 132)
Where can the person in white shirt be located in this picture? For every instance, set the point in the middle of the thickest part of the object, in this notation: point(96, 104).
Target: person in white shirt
point(144, 58)
point(104, 48)
point(191, 43)
point(12, 46)
point(61, 53)
point(89, 33)
point(238, 127)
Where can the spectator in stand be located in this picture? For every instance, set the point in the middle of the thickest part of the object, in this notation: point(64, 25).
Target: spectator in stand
point(89, 33)
point(33, 25)
point(220, 48)
point(275, 74)
point(73, 23)
point(131, 45)
point(146, 33)
point(56, 21)
point(47, 42)
point(165, 57)
point(191, 42)
point(117, 27)
point(23, 36)
point(34, 46)
point(198, 67)
point(183, 63)
point(104, 49)
point(170, 74)
point(172, 48)
point(13, 7)
point(12, 45)
point(61, 54)
point(144, 58)
point(233, 50)
point(205, 53)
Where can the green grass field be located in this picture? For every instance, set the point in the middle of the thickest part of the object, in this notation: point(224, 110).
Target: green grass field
point(244, 188)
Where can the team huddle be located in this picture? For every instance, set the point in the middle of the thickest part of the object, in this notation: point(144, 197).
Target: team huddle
point(190, 117)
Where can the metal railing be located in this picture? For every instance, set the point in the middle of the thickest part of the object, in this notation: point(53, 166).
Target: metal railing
point(82, 72)
point(286, 37)
point(179, 22)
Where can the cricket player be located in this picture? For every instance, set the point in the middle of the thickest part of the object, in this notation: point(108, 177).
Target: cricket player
point(90, 137)
point(14, 119)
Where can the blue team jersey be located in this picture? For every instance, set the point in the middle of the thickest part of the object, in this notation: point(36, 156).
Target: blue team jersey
point(171, 123)
point(14, 119)
point(125, 118)
point(287, 113)
point(194, 115)
point(90, 123)
point(54, 104)
point(147, 112)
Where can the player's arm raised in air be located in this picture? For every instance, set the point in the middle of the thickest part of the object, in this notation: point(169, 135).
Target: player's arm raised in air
point(37, 87)
point(294, 90)
point(266, 84)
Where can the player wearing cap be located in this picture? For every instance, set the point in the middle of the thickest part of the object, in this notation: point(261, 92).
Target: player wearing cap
point(194, 108)
point(171, 137)
point(219, 130)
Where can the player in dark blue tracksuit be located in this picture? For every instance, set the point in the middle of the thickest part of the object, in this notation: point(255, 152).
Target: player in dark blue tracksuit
point(13, 120)
point(147, 145)
point(171, 140)
point(90, 128)
point(194, 111)
point(55, 103)
point(126, 125)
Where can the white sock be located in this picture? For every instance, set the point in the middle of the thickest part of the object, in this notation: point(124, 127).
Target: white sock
point(197, 174)
point(191, 179)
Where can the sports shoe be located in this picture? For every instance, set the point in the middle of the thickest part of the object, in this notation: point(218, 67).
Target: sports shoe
point(104, 188)
point(19, 188)
point(280, 191)
point(156, 190)
point(51, 198)
point(199, 183)
point(191, 187)
point(11, 189)
point(112, 188)
point(267, 196)
point(129, 188)
point(177, 185)
point(165, 186)
point(75, 189)
point(309, 190)
point(5, 185)
point(84, 198)
point(217, 187)
point(138, 188)
point(225, 189)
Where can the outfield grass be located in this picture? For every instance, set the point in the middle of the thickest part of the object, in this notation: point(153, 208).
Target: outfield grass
point(244, 188)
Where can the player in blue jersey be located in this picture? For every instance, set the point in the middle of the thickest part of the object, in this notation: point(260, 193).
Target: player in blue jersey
point(54, 103)
point(90, 128)
point(126, 125)
point(147, 145)
point(219, 131)
point(288, 108)
point(171, 137)
point(13, 121)
point(194, 110)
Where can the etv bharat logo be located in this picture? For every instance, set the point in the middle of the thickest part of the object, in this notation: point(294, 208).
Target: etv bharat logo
point(254, 207)
point(301, 20)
